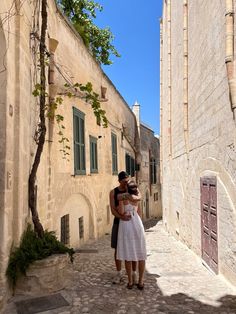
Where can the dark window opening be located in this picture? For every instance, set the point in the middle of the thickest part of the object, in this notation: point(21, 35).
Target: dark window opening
point(81, 227)
point(65, 229)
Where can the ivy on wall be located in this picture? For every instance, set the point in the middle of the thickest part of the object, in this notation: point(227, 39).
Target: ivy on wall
point(82, 14)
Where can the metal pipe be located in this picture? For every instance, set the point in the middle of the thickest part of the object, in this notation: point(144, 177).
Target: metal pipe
point(229, 51)
point(161, 100)
point(185, 74)
point(169, 76)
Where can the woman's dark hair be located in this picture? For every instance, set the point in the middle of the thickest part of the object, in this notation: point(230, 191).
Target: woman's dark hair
point(132, 188)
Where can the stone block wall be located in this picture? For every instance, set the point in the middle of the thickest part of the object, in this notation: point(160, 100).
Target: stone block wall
point(151, 193)
point(59, 191)
point(211, 134)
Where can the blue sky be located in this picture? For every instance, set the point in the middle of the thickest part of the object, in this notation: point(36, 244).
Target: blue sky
point(135, 25)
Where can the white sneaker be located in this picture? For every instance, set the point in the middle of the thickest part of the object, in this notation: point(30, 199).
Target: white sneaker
point(135, 278)
point(117, 279)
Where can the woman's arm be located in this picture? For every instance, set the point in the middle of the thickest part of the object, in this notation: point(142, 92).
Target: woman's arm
point(139, 211)
point(134, 198)
point(121, 208)
point(130, 197)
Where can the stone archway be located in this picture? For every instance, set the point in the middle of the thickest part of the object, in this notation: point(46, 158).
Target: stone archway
point(226, 217)
point(3, 104)
point(78, 207)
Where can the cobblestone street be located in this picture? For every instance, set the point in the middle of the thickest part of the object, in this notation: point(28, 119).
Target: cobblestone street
point(175, 282)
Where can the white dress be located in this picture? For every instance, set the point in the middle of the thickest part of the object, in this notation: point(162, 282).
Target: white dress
point(131, 245)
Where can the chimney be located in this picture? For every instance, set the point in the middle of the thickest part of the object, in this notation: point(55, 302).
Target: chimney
point(136, 111)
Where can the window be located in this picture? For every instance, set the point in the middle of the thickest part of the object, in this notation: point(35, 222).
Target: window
point(114, 153)
point(65, 229)
point(155, 196)
point(130, 165)
point(153, 175)
point(79, 143)
point(93, 155)
point(81, 227)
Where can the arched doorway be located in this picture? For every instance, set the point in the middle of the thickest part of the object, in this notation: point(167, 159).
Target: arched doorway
point(76, 221)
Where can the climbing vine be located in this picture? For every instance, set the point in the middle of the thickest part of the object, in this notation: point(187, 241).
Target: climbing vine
point(48, 108)
point(82, 14)
point(41, 130)
point(86, 93)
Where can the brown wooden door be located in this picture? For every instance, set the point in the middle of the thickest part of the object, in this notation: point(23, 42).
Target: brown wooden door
point(209, 222)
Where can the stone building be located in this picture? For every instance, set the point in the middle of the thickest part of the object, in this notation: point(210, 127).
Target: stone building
point(73, 194)
point(149, 173)
point(198, 129)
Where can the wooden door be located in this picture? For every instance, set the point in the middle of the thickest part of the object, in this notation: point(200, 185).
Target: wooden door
point(209, 222)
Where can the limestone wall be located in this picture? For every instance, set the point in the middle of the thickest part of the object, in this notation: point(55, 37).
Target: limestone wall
point(211, 134)
point(59, 190)
point(86, 195)
point(151, 193)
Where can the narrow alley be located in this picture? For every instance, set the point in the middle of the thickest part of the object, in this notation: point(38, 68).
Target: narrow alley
point(175, 282)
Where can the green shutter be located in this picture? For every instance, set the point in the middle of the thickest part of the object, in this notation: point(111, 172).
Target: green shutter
point(127, 163)
point(93, 155)
point(132, 167)
point(79, 142)
point(114, 153)
point(155, 171)
point(153, 176)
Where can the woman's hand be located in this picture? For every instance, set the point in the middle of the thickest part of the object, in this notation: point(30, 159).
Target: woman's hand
point(125, 217)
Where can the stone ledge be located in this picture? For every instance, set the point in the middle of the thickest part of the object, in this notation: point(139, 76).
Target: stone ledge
point(4, 295)
point(45, 276)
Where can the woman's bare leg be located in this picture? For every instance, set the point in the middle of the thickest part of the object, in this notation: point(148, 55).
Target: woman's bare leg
point(128, 267)
point(141, 269)
point(117, 262)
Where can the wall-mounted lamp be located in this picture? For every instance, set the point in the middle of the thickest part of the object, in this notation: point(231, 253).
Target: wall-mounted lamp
point(103, 94)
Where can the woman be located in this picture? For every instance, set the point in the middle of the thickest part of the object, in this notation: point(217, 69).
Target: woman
point(131, 245)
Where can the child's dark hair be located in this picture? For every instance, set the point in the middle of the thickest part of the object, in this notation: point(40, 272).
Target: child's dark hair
point(132, 188)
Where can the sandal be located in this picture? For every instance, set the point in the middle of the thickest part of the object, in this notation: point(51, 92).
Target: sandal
point(129, 286)
point(140, 286)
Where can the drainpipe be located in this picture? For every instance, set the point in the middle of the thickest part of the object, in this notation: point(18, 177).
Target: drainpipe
point(229, 52)
point(161, 99)
point(185, 74)
point(169, 75)
point(17, 180)
point(53, 43)
point(52, 90)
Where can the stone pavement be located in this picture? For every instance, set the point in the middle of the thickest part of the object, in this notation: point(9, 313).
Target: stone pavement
point(175, 282)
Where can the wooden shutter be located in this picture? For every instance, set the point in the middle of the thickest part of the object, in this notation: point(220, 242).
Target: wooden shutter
point(114, 153)
point(93, 155)
point(79, 141)
point(127, 163)
point(132, 167)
